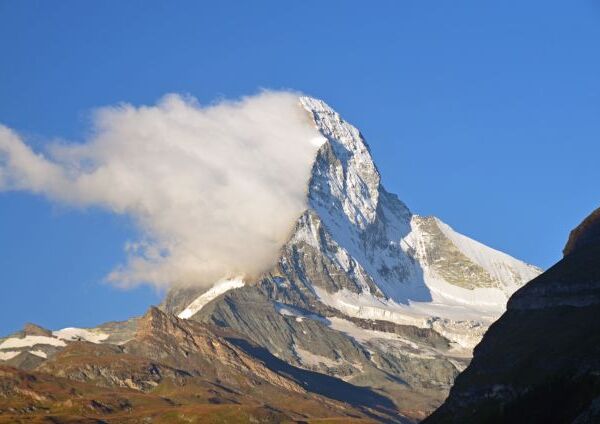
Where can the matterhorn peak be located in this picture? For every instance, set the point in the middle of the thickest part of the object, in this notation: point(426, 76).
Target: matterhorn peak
point(363, 287)
point(344, 176)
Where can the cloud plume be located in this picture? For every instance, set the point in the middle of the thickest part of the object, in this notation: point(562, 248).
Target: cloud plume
point(213, 190)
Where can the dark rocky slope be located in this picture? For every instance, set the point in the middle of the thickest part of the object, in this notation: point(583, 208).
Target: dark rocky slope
point(540, 362)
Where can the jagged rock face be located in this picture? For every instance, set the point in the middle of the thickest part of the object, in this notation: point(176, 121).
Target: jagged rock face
point(540, 362)
point(181, 369)
point(364, 290)
point(163, 347)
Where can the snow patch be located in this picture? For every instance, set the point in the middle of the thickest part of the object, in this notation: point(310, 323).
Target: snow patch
point(73, 334)
point(287, 310)
point(30, 341)
point(364, 335)
point(310, 359)
point(5, 356)
point(39, 353)
point(218, 289)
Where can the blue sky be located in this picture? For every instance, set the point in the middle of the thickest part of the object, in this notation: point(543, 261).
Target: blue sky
point(484, 114)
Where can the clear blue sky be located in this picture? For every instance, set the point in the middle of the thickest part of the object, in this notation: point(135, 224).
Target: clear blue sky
point(484, 113)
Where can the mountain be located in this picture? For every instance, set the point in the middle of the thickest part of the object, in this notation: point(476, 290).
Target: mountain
point(540, 362)
point(173, 370)
point(369, 315)
point(364, 290)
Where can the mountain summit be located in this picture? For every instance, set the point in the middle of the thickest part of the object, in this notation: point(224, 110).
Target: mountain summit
point(365, 290)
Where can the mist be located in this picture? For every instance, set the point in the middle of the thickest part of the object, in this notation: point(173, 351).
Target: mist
point(213, 190)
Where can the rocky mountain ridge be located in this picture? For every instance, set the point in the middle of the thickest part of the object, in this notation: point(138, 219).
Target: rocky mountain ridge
point(540, 362)
point(173, 370)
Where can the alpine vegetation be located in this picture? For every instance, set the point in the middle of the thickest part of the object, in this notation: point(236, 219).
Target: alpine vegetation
point(214, 190)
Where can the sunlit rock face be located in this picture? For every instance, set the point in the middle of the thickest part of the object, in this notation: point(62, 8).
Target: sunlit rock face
point(364, 290)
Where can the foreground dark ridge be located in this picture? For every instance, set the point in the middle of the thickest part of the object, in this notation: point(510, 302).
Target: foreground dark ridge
point(540, 362)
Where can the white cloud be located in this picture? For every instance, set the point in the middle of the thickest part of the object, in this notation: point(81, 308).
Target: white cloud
point(214, 190)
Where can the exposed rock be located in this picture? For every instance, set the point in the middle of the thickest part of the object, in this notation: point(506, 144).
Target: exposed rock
point(24, 360)
point(586, 233)
point(35, 330)
point(540, 362)
point(109, 366)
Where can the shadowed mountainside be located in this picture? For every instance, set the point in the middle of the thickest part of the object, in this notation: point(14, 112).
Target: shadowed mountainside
point(540, 362)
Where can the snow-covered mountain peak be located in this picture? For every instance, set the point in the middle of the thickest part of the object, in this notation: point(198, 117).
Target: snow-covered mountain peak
point(395, 264)
point(390, 254)
point(364, 289)
point(344, 177)
point(336, 129)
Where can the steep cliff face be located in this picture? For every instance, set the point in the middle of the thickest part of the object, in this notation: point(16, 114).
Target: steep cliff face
point(365, 290)
point(540, 362)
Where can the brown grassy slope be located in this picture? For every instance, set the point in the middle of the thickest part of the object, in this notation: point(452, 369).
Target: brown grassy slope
point(38, 397)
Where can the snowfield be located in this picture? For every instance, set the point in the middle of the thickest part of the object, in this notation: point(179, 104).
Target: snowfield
point(29, 341)
point(5, 356)
point(73, 334)
point(218, 289)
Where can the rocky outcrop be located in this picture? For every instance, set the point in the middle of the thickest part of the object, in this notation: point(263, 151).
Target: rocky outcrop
point(586, 233)
point(540, 362)
point(35, 330)
point(192, 347)
point(109, 366)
